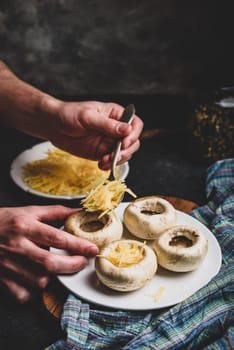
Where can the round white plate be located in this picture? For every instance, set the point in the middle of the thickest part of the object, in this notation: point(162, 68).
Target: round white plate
point(177, 286)
point(37, 152)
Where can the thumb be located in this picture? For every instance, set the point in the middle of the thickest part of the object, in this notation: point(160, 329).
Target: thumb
point(53, 212)
point(107, 126)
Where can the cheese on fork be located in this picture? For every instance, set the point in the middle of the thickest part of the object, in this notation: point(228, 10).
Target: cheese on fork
point(106, 196)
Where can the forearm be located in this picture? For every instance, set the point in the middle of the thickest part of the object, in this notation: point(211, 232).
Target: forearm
point(24, 107)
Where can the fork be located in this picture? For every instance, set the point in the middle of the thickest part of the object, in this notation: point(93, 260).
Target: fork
point(127, 117)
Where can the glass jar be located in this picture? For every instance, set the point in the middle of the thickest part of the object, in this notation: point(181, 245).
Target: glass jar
point(212, 125)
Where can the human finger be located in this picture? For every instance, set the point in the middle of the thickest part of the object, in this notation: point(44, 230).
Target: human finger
point(20, 293)
point(53, 262)
point(51, 212)
point(30, 274)
point(107, 126)
point(133, 136)
point(50, 236)
point(125, 155)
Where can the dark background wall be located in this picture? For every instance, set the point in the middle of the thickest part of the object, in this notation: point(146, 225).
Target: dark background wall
point(79, 47)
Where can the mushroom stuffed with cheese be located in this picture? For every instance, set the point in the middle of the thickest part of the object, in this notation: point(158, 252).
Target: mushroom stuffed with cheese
point(147, 217)
point(180, 249)
point(90, 226)
point(125, 265)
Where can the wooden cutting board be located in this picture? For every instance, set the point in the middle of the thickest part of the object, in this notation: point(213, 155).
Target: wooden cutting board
point(55, 294)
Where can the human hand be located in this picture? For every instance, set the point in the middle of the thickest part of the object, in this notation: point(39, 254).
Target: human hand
point(86, 129)
point(90, 130)
point(25, 266)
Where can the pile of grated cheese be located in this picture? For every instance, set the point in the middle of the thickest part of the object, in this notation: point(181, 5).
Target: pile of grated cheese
point(125, 254)
point(61, 173)
point(106, 196)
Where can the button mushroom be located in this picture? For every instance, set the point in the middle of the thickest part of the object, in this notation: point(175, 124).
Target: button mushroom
point(90, 226)
point(125, 265)
point(180, 249)
point(147, 217)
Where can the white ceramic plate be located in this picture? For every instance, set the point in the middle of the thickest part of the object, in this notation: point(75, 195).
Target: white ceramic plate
point(39, 151)
point(177, 286)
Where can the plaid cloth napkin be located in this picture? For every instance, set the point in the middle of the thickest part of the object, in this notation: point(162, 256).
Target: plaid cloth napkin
point(203, 321)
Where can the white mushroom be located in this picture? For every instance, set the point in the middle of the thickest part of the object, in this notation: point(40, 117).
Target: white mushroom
point(180, 249)
point(90, 226)
point(147, 217)
point(125, 265)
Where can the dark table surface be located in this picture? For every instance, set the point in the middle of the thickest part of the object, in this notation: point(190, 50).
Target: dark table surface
point(162, 166)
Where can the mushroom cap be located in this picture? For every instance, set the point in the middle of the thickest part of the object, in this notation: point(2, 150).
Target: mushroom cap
point(88, 225)
point(180, 249)
point(148, 217)
point(127, 278)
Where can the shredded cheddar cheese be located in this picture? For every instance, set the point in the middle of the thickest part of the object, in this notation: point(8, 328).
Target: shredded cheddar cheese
point(61, 173)
point(125, 254)
point(106, 196)
point(157, 296)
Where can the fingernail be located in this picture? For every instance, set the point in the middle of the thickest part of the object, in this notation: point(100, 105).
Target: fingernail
point(122, 127)
point(83, 264)
point(127, 144)
point(43, 281)
point(92, 251)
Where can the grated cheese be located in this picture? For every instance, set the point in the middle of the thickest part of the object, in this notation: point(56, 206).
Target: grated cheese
point(157, 296)
point(125, 254)
point(106, 196)
point(61, 173)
